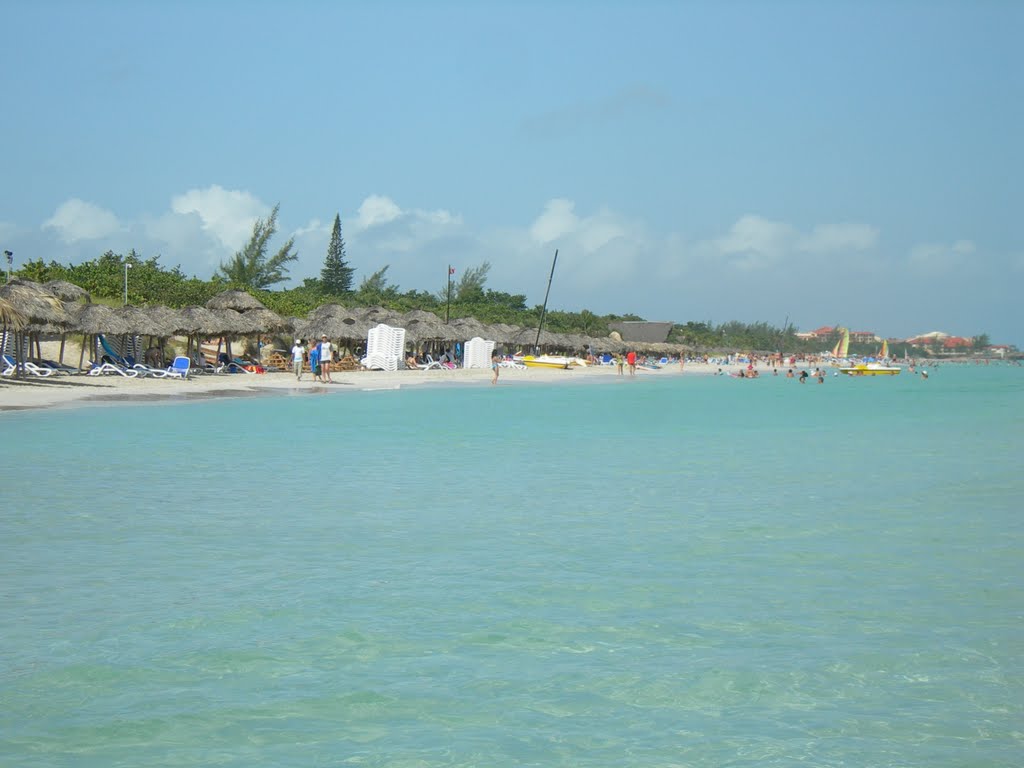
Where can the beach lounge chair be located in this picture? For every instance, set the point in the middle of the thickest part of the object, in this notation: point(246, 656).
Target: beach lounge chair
point(384, 347)
point(105, 368)
point(56, 367)
point(117, 359)
point(179, 368)
point(148, 371)
point(11, 367)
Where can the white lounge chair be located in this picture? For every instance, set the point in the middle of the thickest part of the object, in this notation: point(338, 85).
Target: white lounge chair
point(11, 367)
point(104, 369)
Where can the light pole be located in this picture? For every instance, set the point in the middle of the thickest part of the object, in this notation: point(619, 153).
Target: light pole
point(127, 266)
point(10, 261)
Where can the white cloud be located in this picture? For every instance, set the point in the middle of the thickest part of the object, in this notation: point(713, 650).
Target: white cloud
point(560, 222)
point(227, 215)
point(754, 242)
point(830, 238)
point(382, 224)
point(940, 257)
point(76, 220)
point(557, 220)
point(314, 226)
point(377, 210)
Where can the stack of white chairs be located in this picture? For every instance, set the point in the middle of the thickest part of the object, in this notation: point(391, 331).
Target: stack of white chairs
point(478, 353)
point(384, 348)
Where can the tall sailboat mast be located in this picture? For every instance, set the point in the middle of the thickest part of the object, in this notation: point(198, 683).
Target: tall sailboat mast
point(544, 309)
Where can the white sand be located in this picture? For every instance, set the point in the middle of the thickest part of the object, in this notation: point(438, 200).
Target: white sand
point(63, 390)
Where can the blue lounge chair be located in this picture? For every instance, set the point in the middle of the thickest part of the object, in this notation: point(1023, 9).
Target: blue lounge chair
point(179, 368)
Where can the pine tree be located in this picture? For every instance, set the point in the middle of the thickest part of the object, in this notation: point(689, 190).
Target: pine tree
point(336, 276)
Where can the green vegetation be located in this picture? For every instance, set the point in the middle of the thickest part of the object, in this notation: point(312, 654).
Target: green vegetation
point(336, 276)
point(250, 267)
point(150, 283)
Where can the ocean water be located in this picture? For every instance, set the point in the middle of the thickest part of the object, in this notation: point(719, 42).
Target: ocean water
point(668, 571)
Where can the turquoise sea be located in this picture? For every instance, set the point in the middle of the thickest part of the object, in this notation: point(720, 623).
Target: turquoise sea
point(666, 571)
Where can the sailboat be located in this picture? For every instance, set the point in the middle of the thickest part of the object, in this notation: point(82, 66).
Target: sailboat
point(881, 367)
point(842, 347)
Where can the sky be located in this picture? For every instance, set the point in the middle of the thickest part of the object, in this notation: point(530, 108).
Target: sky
point(854, 163)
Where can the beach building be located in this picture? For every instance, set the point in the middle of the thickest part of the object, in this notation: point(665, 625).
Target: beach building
point(641, 330)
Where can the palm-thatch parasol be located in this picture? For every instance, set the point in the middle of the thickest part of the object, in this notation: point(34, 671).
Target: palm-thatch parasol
point(35, 302)
point(421, 325)
point(158, 323)
point(257, 319)
point(240, 301)
point(66, 291)
point(196, 323)
point(38, 306)
point(94, 320)
point(11, 317)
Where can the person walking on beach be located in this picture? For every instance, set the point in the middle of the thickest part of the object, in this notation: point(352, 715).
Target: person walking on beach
point(494, 367)
point(326, 354)
point(298, 356)
point(314, 360)
point(619, 362)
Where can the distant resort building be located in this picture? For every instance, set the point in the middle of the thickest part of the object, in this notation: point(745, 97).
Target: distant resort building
point(641, 330)
point(827, 332)
point(936, 342)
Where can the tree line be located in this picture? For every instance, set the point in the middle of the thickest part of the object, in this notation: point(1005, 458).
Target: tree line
point(257, 270)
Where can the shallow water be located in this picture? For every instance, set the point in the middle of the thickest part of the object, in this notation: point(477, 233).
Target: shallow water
point(692, 571)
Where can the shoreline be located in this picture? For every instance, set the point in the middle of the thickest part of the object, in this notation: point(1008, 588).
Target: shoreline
point(63, 391)
point(80, 390)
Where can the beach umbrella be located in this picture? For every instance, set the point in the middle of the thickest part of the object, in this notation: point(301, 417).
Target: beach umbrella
point(67, 292)
point(325, 311)
point(10, 317)
point(155, 322)
point(38, 306)
point(197, 322)
point(35, 302)
point(94, 320)
point(240, 301)
point(70, 294)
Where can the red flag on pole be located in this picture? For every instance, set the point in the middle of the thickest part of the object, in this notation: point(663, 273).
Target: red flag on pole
point(451, 270)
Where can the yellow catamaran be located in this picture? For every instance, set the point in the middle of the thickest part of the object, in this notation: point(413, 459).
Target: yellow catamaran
point(880, 367)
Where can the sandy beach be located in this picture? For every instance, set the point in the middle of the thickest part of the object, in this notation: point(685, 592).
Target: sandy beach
point(59, 390)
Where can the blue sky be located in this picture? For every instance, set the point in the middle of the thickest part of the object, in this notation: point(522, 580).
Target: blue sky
point(857, 163)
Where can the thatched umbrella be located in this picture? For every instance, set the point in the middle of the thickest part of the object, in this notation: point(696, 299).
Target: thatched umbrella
point(37, 305)
point(421, 325)
point(240, 301)
point(345, 328)
point(257, 318)
point(325, 311)
point(11, 317)
point(35, 302)
point(66, 291)
point(197, 322)
point(157, 323)
point(70, 294)
point(94, 320)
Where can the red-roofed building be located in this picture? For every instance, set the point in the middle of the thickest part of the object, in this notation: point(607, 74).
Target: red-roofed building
point(957, 342)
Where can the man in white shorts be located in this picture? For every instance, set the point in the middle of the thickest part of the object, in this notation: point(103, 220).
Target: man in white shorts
point(298, 355)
